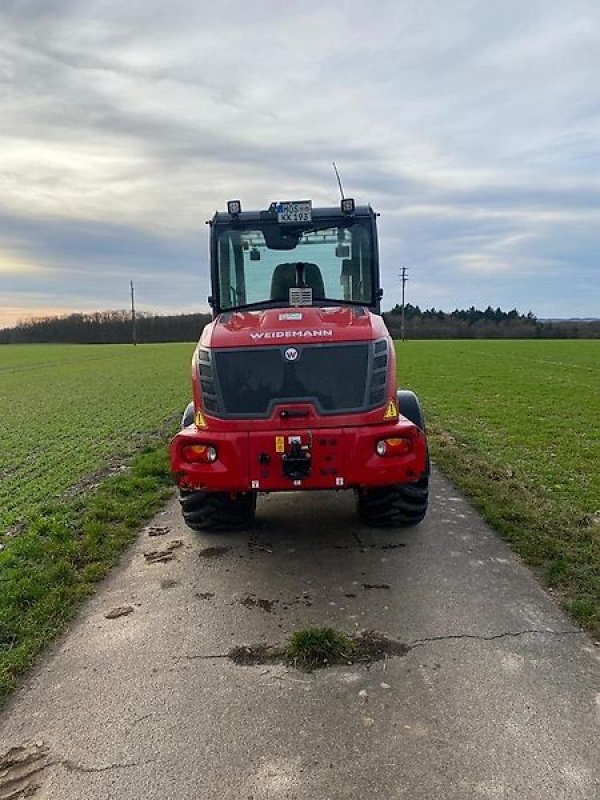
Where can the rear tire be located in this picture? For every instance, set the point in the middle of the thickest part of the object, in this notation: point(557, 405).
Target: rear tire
point(217, 511)
point(399, 505)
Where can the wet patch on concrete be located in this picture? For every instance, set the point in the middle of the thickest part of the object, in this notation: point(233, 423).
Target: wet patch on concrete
point(247, 655)
point(304, 599)
point(252, 601)
point(363, 547)
point(115, 613)
point(254, 546)
point(376, 586)
point(374, 646)
point(213, 552)
point(283, 604)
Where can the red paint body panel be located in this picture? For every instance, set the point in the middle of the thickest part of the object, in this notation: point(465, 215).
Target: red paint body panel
point(344, 325)
point(270, 326)
point(340, 458)
point(341, 446)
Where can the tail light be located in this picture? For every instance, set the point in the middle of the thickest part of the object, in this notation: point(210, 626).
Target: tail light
point(395, 446)
point(199, 453)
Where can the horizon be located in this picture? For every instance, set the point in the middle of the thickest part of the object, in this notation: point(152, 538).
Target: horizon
point(149, 313)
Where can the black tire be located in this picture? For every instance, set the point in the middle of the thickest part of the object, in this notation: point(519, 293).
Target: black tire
point(188, 416)
point(399, 505)
point(217, 511)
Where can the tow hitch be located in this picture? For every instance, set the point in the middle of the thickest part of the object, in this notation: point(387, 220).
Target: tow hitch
point(296, 461)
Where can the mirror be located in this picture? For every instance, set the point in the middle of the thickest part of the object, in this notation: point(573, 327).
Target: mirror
point(278, 238)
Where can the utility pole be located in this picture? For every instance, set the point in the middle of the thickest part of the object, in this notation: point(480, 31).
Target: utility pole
point(133, 331)
point(403, 279)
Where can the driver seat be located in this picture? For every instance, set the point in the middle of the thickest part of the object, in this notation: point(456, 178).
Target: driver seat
point(284, 279)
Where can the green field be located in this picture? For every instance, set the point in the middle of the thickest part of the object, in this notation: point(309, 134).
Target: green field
point(516, 425)
point(68, 411)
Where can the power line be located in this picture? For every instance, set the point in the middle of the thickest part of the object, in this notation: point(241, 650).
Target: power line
point(133, 330)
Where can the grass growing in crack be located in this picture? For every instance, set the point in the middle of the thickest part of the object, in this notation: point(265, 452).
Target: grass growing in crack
point(516, 426)
point(64, 547)
point(317, 647)
point(314, 648)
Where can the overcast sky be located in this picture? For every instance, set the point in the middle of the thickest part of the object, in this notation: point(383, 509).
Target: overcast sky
point(472, 126)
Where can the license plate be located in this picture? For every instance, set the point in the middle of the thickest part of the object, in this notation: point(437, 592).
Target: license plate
point(297, 211)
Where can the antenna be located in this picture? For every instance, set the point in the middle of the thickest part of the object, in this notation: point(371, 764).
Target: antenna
point(337, 175)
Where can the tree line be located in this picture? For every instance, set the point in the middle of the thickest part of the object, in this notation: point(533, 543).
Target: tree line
point(472, 323)
point(115, 327)
point(106, 327)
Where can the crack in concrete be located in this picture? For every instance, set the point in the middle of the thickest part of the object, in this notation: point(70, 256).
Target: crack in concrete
point(421, 642)
point(141, 719)
point(200, 657)
point(361, 545)
point(73, 766)
point(216, 655)
point(489, 638)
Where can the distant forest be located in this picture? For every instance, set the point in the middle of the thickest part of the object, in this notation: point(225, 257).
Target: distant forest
point(114, 327)
point(489, 324)
point(106, 327)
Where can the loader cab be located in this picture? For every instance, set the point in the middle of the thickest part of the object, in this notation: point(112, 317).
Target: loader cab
point(294, 255)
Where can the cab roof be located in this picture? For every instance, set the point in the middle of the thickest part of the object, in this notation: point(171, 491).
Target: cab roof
point(270, 215)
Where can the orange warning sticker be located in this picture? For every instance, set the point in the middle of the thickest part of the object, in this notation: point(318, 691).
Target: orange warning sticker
point(391, 412)
point(199, 420)
point(280, 444)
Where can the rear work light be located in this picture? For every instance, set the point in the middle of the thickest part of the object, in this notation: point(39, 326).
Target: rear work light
point(347, 205)
point(234, 207)
point(396, 446)
point(199, 453)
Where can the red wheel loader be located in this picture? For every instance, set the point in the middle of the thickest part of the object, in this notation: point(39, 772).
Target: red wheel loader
point(294, 380)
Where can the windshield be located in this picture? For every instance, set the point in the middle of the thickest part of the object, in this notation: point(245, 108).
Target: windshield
point(260, 264)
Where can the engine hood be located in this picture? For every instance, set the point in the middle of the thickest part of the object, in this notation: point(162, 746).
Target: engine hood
point(304, 325)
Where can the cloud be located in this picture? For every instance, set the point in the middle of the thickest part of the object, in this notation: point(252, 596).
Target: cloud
point(474, 128)
point(11, 264)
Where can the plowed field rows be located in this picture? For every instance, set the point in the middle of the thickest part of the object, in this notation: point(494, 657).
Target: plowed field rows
point(67, 412)
point(531, 407)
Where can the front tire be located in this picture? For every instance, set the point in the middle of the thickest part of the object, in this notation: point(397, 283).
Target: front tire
point(217, 511)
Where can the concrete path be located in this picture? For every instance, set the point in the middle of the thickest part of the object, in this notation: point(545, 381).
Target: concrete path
point(497, 697)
